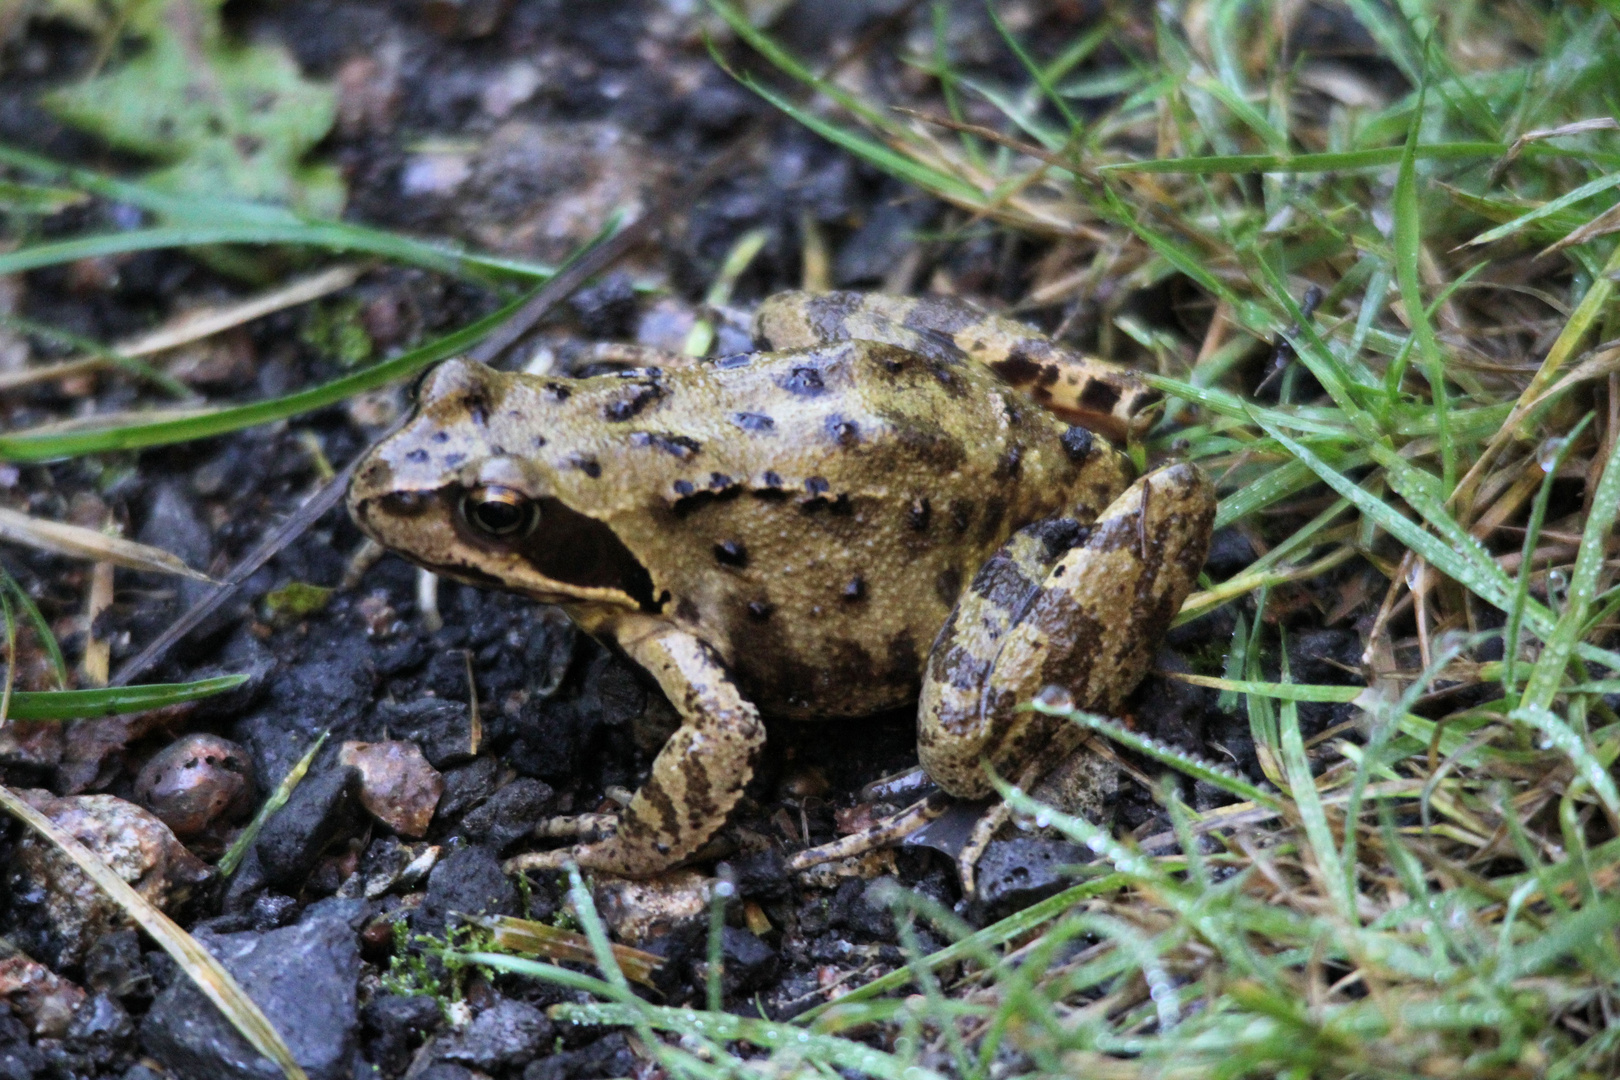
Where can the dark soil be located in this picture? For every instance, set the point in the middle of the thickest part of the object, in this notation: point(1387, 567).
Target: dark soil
point(594, 102)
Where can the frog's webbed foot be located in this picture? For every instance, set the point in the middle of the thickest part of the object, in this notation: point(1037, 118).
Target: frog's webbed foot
point(698, 776)
point(1088, 619)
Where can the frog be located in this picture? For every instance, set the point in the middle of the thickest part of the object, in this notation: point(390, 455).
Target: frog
point(887, 500)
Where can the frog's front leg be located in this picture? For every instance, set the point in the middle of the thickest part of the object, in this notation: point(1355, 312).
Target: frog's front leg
point(1088, 619)
point(698, 776)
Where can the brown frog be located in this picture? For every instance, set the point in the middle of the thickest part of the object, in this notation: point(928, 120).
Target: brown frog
point(868, 511)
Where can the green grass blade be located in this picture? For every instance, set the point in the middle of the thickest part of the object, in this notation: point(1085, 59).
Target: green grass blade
point(1548, 674)
point(1408, 248)
point(1547, 209)
point(1348, 160)
point(114, 701)
point(838, 1052)
point(42, 628)
point(50, 445)
point(277, 799)
point(335, 237)
point(1532, 536)
point(945, 185)
point(1197, 768)
point(1557, 735)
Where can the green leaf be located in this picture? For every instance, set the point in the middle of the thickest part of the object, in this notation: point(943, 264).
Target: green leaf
point(296, 599)
point(114, 701)
point(222, 118)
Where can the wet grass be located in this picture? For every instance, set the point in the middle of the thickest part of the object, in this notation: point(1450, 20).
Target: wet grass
point(1377, 288)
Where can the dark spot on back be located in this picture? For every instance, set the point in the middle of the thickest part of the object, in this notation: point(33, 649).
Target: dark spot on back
point(632, 402)
point(558, 391)
point(1058, 535)
point(1001, 582)
point(843, 432)
point(1099, 395)
point(685, 610)
point(735, 360)
point(753, 421)
point(417, 455)
point(803, 381)
point(995, 508)
point(538, 441)
point(678, 445)
point(731, 553)
point(684, 488)
point(855, 588)
point(918, 513)
point(760, 610)
point(440, 436)
point(839, 505)
point(1077, 443)
point(455, 459)
point(948, 586)
point(1011, 463)
point(692, 499)
point(587, 465)
point(773, 489)
point(961, 514)
point(816, 485)
point(719, 481)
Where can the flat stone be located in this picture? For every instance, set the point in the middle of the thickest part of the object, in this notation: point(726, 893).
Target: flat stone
point(304, 979)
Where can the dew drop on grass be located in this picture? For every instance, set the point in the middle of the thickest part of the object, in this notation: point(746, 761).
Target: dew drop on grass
point(1547, 455)
point(1055, 697)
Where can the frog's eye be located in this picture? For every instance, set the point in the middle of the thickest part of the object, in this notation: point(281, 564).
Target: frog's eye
point(500, 512)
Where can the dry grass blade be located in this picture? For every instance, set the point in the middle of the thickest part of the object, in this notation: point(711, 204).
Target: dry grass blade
point(1602, 225)
point(191, 326)
point(566, 946)
point(197, 962)
point(1578, 127)
point(81, 543)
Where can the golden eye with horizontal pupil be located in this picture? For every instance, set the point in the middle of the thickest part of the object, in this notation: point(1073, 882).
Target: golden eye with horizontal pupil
point(500, 512)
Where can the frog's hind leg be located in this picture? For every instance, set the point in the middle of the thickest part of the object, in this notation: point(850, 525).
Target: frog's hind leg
point(1087, 619)
point(1090, 624)
point(699, 775)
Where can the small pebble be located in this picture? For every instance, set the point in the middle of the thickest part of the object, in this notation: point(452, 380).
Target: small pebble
point(194, 782)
